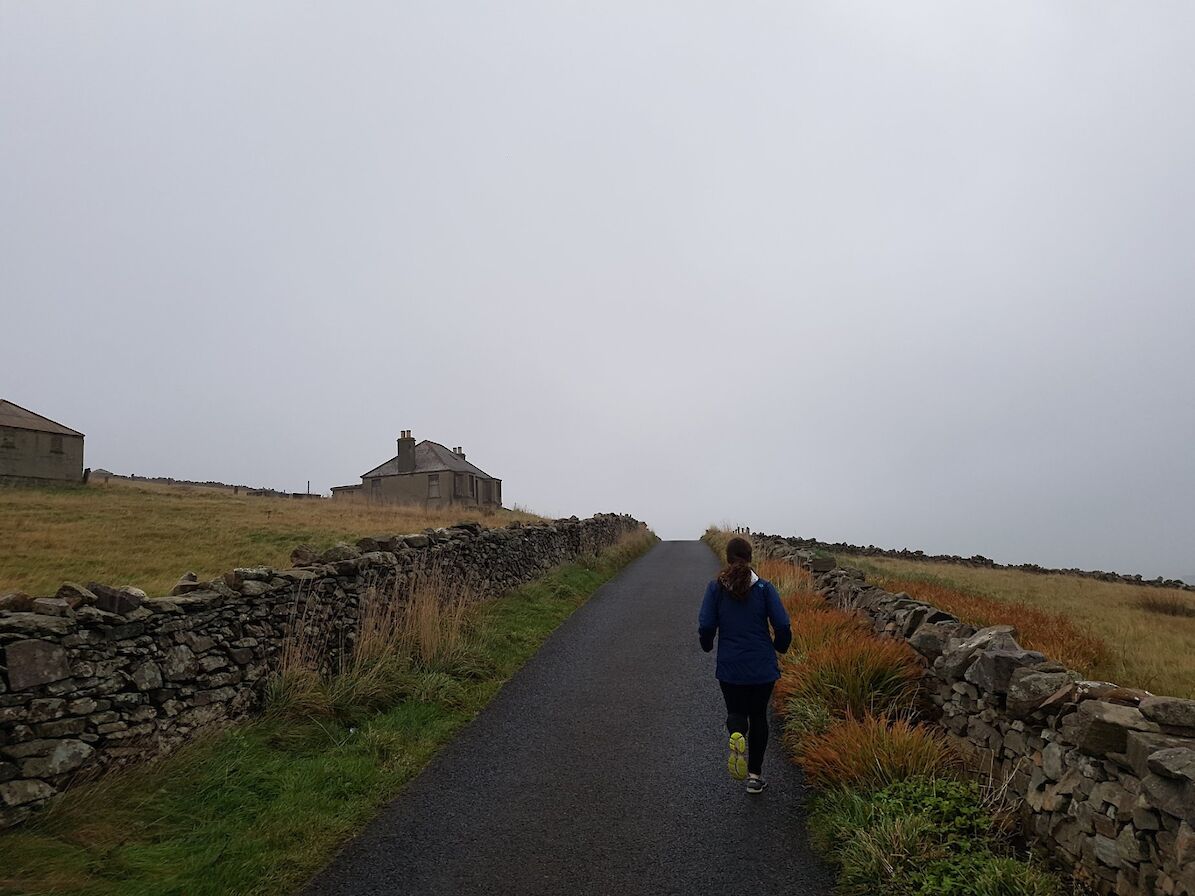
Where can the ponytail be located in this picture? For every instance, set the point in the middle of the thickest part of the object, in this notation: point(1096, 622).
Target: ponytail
point(735, 576)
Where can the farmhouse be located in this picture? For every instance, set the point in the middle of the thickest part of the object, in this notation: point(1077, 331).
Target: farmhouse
point(35, 449)
point(426, 473)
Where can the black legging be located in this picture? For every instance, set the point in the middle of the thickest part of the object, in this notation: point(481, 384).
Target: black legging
point(747, 713)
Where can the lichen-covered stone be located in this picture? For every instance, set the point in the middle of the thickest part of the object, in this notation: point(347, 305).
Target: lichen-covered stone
point(147, 676)
point(1028, 691)
point(35, 662)
point(60, 757)
point(19, 793)
point(1170, 711)
point(179, 663)
point(959, 655)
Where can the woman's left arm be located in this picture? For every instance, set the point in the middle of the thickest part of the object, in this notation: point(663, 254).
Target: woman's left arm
point(778, 616)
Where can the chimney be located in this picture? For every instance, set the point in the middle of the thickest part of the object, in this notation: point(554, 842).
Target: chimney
point(459, 452)
point(406, 452)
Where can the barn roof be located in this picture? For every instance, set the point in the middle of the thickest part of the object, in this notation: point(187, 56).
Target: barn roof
point(20, 418)
point(430, 457)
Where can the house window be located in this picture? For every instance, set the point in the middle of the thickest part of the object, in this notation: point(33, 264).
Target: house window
point(433, 485)
point(56, 444)
point(7, 439)
point(458, 484)
point(473, 486)
point(375, 488)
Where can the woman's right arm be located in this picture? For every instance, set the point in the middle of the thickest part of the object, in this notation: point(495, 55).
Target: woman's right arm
point(707, 619)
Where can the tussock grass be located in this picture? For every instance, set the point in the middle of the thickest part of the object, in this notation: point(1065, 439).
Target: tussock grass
point(1141, 647)
point(886, 855)
point(148, 535)
point(258, 809)
point(857, 675)
point(872, 752)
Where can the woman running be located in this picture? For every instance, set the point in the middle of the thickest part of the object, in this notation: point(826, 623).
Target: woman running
point(737, 608)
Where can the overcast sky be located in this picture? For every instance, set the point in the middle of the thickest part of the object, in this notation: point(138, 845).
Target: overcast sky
point(914, 274)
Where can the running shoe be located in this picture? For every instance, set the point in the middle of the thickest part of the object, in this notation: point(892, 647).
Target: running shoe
point(737, 763)
point(756, 785)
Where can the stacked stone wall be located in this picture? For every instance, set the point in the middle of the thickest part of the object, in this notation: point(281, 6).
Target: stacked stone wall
point(1105, 775)
point(97, 676)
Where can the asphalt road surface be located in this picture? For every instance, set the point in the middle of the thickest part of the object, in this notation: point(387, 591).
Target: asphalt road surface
point(599, 768)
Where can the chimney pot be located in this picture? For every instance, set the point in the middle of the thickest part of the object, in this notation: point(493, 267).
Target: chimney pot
point(406, 452)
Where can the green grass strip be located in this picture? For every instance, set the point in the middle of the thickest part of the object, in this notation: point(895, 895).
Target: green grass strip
point(261, 807)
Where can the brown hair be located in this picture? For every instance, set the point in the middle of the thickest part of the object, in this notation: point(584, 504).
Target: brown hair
point(735, 576)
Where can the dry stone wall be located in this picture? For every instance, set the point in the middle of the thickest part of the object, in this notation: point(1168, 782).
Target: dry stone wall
point(1106, 774)
point(97, 676)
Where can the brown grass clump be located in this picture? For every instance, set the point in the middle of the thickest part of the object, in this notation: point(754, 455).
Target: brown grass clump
point(856, 675)
point(872, 752)
point(816, 628)
point(1053, 634)
point(789, 579)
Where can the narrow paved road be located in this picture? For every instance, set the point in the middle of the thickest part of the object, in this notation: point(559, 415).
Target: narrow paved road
point(600, 768)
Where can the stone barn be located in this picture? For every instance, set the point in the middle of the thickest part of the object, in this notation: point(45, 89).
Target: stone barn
point(426, 473)
point(34, 449)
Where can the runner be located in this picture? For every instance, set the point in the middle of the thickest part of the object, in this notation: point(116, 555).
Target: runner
point(737, 608)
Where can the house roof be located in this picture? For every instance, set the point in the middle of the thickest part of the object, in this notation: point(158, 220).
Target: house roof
point(430, 457)
point(19, 418)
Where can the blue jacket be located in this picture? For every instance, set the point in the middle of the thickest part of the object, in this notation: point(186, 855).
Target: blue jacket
point(746, 650)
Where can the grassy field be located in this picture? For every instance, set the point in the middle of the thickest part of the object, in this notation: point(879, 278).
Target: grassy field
point(148, 535)
point(1133, 635)
point(259, 809)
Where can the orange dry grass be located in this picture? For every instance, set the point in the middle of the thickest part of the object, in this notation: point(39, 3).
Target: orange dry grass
point(856, 674)
point(872, 752)
point(816, 628)
point(789, 579)
point(1053, 634)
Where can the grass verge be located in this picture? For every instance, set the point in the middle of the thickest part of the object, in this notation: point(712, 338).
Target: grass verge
point(261, 807)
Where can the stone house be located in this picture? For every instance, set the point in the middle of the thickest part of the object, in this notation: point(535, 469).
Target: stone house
point(426, 473)
point(35, 449)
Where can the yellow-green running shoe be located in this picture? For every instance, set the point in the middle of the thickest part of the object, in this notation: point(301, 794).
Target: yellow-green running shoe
point(737, 763)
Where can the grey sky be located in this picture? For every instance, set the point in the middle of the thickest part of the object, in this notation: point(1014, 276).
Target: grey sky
point(905, 273)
